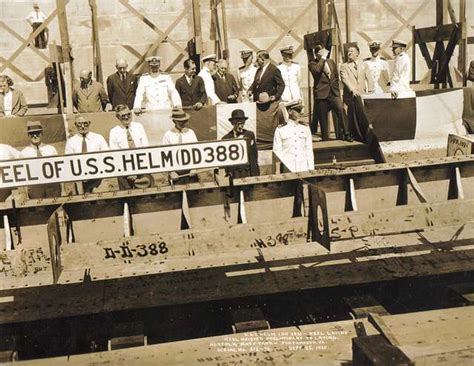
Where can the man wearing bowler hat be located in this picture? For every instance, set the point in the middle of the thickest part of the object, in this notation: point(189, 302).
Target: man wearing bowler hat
point(180, 134)
point(155, 90)
point(238, 119)
point(34, 129)
point(246, 74)
point(291, 73)
point(400, 78)
point(378, 68)
point(207, 72)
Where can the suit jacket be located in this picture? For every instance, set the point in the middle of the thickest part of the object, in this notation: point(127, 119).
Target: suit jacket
point(324, 85)
point(271, 82)
point(92, 99)
point(191, 94)
point(354, 79)
point(122, 92)
point(19, 106)
point(226, 87)
point(251, 169)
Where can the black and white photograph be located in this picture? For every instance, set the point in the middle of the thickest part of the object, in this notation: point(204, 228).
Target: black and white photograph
point(237, 182)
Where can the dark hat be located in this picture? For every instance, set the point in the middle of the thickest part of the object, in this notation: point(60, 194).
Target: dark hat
point(287, 50)
point(33, 126)
point(153, 60)
point(177, 114)
point(211, 57)
point(398, 43)
point(246, 53)
point(296, 105)
point(263, 98)
point(375, 44)
point(237, 114)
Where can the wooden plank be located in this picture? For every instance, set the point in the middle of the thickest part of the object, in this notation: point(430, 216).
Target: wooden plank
point(377, 321)
point(437, 34)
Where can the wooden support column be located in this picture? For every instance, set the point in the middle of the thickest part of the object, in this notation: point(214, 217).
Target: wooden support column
point(348, 21)
point(95, 43)
point(197, 33)
point(462, 58)
point(225, 51)
point(66, 48)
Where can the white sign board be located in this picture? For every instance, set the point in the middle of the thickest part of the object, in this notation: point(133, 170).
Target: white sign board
point(107, 164)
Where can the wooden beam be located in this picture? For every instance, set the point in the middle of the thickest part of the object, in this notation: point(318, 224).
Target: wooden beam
point(96, 43)
point(66, 48)
point(348, 20)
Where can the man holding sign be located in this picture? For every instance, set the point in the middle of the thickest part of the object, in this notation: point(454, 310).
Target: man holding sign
point(83, 142)
point(34, 130)
point(129, 135)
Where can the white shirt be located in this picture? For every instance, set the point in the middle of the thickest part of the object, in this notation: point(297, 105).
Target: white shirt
point(293, 144)
point(400, 80)
point(209, 85)
point(8, 153)
point(156, 92)
point(36, 17)
point(94, 142)
point(8, 103)
point(378, 68)
point(44, 150)
point(118, 136)
point(246, 77)
point(172, 137)
point(292, 77)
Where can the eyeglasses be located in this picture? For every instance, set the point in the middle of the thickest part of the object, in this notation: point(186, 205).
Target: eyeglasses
point(125, 114)
point(83, 124)
point(34, 134)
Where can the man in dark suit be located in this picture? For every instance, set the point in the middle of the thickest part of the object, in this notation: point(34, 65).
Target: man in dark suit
point(238, 119)
point(191, 87)
point(267, 79)
point(122, 86)
point(226, 87)
point(327, 96)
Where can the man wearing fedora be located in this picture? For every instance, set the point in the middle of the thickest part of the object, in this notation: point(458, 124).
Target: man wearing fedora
point(291, 73)
point(207, 72)
point(177, 135)
point(378, 67)
point(155, 90)
point(37, 148)
point(267, 78)
point(251, 169)
point(400, 78)
point(246, 74)
point(129, 135)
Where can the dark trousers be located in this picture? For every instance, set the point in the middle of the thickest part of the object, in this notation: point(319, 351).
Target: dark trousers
point(322, 107)
point(41, 40)
point(358, 121)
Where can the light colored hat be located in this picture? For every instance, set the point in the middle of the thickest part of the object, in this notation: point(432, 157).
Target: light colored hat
point(294, 105)
point(34, 126)
point(375, 44)
point(211, 57)
point(263, 98)
point(153, 60)
point(398, 43)
point(287, 50)
point(177, 114)
point(246, 53)
point(262, 52)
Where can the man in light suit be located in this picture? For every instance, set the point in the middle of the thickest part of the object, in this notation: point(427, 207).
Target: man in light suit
point(122, 86)
point(12, 101)
point(357, 80)
point(267, 79)
point(327, 95)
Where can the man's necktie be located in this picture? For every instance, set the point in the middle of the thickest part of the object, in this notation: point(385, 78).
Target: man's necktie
point(131, 143)
point(355, 66)
point(84, 145)
point(327, 69)
point(180, 137)
point(258, 74)
point(38, 151)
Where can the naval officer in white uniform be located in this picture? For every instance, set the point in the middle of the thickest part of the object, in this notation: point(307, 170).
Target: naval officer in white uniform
point(206, 73)
point(155, 90)
point(400, 78)
point(246, 74)
point(291, 73)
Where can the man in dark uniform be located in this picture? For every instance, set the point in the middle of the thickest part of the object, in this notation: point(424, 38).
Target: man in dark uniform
point(191, 87)
point(121, 86)
point(327, 95)
point(238, 119)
